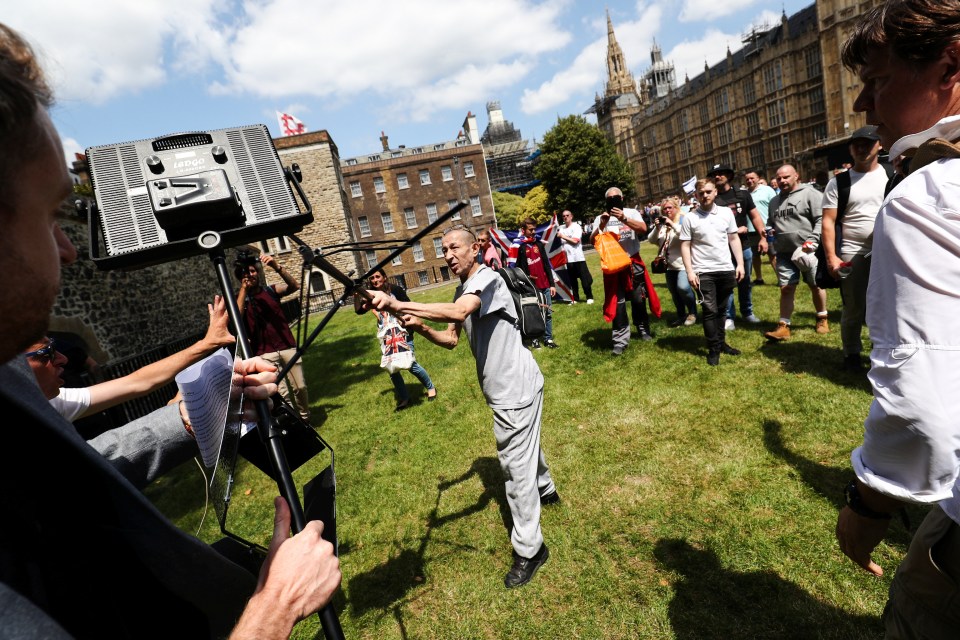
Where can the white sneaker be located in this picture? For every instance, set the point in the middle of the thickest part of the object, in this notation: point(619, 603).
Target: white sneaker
point(589, 300)
point(728, 325)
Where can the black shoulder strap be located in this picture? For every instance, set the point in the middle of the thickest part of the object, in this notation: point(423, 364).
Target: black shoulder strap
point(843, 194)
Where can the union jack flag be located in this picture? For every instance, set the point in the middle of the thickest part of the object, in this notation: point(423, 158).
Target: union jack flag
point(394, 338)
point(509, 243)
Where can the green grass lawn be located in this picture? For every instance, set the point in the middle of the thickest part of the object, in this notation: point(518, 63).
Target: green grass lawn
point(698, 502)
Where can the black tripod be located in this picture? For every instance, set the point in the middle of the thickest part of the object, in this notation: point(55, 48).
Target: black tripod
point(269, 432)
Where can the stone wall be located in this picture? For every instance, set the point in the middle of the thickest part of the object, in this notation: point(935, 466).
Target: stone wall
point(123, 313)
point(319, 162)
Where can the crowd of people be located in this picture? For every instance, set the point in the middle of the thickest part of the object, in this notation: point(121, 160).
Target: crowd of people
point(128, 572)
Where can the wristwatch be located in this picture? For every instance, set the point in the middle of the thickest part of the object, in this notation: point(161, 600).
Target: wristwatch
point(855, 502)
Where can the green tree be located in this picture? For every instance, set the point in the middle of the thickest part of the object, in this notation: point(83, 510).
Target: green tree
point(577, 165)
point(507, 208)
point(535, 205)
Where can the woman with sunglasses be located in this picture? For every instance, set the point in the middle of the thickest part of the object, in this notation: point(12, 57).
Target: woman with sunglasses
point(666, 235)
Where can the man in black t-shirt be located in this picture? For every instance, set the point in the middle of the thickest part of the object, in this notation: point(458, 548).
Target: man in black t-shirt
point(741, 203)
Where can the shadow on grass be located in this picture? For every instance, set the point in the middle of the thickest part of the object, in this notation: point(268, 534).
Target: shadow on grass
point(330, 367)
point(713, 602)
point(600, 339)
point(695, 345)
point(829, 481)
point(383, 586)
point(814, 359)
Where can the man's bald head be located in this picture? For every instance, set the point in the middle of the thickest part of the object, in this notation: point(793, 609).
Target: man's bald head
point(788, 178)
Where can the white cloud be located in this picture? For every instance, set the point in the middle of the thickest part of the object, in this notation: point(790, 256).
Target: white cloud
point(70, 148)
point(450, 55)
point(422, 54)
point(95, 51)
point(705, 10)
point(588, 69)
point(688, 56)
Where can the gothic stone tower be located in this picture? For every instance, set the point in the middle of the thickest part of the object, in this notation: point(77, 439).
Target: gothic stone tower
point(620, 101)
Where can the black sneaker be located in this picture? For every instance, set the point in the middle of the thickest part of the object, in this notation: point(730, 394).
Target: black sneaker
point(550, 498)
point(713, 358)
point(677, 323)
point(523, 569)
point(551, 344)
point(728, 350)
point(644, 335)
point(535, 344)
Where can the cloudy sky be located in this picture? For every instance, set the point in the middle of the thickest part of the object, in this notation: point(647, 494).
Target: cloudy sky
point(128, 70)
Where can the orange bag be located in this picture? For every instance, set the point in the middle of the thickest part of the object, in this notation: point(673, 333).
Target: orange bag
point(612, 256)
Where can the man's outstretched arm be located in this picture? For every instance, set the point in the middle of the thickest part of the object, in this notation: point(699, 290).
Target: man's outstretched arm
point(153, 376)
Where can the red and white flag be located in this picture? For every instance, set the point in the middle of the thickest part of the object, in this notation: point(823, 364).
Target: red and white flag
point(289, 125)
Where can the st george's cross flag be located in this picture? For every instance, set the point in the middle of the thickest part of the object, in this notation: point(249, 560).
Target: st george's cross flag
point(289, 125)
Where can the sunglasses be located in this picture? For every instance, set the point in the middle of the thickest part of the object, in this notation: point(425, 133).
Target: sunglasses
point(45, 353)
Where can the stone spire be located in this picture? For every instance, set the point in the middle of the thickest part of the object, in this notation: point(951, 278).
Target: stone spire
point(619, 78)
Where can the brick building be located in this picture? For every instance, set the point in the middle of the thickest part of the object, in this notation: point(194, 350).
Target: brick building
point(782, 97)
point(394, 193)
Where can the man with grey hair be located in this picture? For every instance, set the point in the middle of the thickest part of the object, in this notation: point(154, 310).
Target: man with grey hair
point(907, 54)
point(509, 378)
point(630, 283)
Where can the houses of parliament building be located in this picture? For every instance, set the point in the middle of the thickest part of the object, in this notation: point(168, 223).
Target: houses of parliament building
point(784, 97)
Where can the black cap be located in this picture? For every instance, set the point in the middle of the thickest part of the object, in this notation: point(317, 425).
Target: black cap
point(868, 132)
point(721, 168)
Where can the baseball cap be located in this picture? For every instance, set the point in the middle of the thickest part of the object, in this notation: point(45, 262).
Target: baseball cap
point(868, 132)
point(805, 261)
point(720, 168)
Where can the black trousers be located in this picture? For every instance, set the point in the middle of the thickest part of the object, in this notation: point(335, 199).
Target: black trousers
point(578, 271)
point(715, 289)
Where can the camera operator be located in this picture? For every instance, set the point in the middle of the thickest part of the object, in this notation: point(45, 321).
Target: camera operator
point(617, 287)
point(83, 553)
point(666, 235)
point(267, 327)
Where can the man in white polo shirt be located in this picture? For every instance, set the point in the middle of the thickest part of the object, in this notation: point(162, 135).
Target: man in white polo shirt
point(708, 236)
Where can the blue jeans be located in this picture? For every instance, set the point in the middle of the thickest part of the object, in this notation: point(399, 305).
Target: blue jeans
point(682, 293)
point(744, 288)
point(400, 388)
point(546, 294)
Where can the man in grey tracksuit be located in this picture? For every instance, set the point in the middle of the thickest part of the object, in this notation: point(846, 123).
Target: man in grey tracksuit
point(509, 378)
point(795, 215)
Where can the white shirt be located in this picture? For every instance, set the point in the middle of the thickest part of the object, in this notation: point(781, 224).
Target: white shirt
point(574, 252)
point(911, 446)
point(866, 196)
point(628, 237)
point(71, 402)
point(708, 232)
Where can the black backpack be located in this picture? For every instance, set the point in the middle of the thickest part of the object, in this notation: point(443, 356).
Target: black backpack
point(822, 276)
point(528, 301)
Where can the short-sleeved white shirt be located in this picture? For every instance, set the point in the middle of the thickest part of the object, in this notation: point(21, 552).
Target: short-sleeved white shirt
point(628, 237)
point(71, 402)
point(708, 233)
point(866, 196)
point(574, 252)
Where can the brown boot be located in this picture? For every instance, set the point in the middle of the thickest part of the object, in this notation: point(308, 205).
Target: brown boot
point(823, 325)
point(782, 332)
